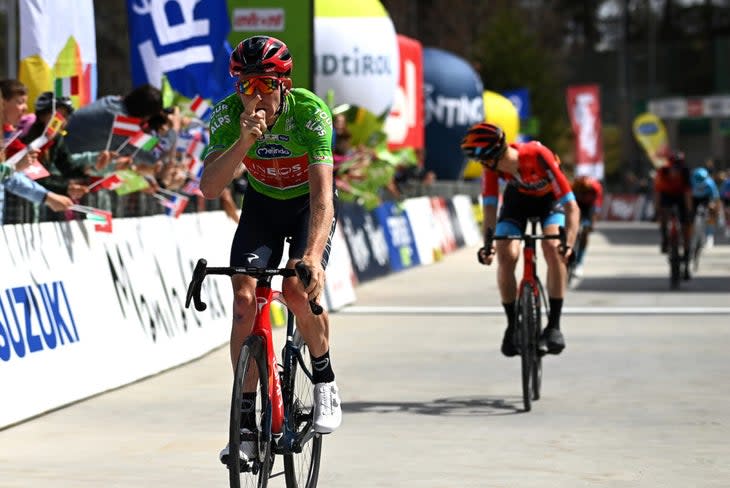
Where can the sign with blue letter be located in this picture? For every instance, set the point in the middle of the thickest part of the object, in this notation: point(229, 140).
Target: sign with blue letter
point(186, 40)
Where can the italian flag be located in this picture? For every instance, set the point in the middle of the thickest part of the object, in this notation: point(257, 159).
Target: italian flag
point(67, 87)
point(144, 141)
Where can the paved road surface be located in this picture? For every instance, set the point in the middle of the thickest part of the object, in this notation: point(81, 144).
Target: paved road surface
point(636, 399)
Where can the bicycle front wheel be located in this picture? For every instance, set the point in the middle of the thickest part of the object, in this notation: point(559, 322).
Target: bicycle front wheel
point(528, 327)
point(251, 376)
point(301, 468)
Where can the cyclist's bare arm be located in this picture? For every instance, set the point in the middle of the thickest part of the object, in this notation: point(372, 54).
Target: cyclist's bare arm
point(222, 167)
point(322, 211)
point(572, 222)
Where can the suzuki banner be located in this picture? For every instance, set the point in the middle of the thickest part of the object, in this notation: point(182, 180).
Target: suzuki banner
point(184, 40)
point(404, 125)
point(291, 21)
point(584, 108)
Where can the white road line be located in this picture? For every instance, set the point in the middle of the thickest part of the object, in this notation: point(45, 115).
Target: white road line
point(364, 310)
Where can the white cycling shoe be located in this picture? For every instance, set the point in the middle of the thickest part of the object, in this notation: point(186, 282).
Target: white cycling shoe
point(247, 449)
point(327, 409)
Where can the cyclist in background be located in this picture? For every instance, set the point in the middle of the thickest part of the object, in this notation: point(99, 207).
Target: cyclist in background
point(282, 136)
point(706, 194)
point(672, 188)
point(589, 196)
point(536, 187)
point(725, 197)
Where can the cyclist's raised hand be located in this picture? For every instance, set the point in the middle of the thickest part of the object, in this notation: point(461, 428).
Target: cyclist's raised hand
point(253, 122)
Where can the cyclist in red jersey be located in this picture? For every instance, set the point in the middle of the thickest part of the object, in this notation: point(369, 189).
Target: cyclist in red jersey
point(673, 188)
point(588, 193)
point(535, 187)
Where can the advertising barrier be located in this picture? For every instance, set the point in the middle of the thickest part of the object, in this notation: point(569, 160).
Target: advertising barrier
point(83, 312)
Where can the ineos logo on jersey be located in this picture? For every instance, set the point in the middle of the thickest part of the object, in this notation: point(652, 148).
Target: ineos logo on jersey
point(296, 169)
point(271, 151)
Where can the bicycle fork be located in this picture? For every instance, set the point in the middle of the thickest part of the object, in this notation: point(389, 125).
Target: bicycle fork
point(264, 295)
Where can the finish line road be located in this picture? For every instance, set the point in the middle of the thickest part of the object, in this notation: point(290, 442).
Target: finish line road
point(639, 398)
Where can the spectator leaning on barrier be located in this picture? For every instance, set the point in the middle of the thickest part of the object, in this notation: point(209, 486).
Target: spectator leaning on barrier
point(68, 171)
point(15, 97)
point(89, 126)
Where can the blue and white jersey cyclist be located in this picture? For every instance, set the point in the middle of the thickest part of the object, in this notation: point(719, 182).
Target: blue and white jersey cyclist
point(705, 193)
point(281, 136)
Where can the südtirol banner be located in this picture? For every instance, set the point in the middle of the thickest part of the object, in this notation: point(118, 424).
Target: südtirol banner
point(404, 125)
point(57, 43)
point(356, 55)
point(291, 21)
point(584, 108)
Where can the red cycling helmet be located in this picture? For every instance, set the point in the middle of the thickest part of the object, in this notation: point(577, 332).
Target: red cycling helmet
point(260, 55)
point(484, 142)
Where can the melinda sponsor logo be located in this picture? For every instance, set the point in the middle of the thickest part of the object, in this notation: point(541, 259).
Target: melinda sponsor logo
point(35, 318)
point(258, 19)
point(648, 129)
point(353, 63)
point(269, 151)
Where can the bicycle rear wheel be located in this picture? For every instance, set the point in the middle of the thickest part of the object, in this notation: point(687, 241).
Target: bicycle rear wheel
point(251, 364)
point(528, 327)
point(301, 468)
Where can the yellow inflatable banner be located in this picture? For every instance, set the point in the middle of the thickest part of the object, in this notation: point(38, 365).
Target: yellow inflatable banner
point(498, 110)
point(652, 136)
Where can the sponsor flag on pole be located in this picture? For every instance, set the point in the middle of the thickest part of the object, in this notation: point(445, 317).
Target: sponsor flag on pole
point(584, 108)
point(66, 87)
point(200, 107)
point(649, 131)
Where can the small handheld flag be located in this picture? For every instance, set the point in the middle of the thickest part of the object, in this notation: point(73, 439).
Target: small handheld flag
point(66, 87)
point(199, 107)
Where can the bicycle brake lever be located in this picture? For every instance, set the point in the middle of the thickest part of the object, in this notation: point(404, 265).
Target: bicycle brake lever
point(194, 286)
point(305, 276)
point(563, 240)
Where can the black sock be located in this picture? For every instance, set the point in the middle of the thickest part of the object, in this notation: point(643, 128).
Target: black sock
point(248, 410)
point(556, 308)
point(509, 309)
point(322, 369)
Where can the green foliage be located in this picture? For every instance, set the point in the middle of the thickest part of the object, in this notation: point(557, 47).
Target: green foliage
point(510, 56)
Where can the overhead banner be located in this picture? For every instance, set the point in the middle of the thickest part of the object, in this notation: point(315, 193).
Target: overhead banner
point(58, 45)
point(184, 40)
point(291, 21)
point(453, 96)
point(650, 133)
point(356, 55)
point(584, 108)
point(404, 125)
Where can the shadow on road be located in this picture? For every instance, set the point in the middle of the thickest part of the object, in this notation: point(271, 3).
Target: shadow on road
point(454, 406)
point(654, 284)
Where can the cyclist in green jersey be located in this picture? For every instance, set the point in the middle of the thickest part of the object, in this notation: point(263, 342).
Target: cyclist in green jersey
point(282, 137)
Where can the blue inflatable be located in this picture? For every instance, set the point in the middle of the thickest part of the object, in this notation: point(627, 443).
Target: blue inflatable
point(453, 94)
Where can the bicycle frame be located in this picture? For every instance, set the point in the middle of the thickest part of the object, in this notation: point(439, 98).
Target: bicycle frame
point(285, 438)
